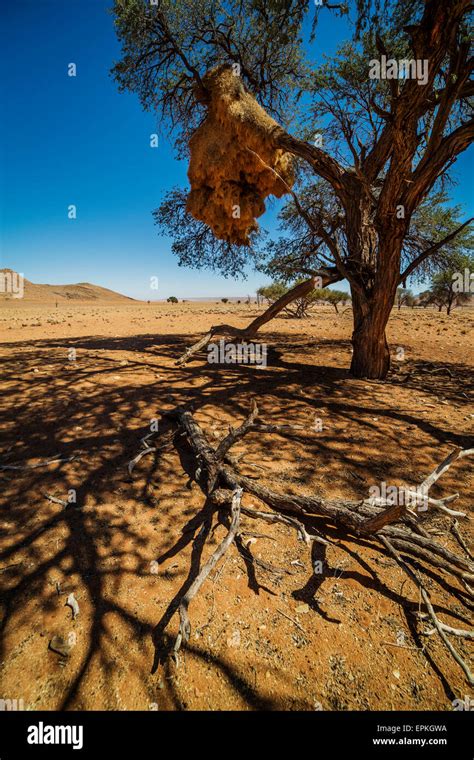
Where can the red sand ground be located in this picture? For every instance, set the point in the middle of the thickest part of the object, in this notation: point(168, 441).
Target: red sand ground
point(260, 638)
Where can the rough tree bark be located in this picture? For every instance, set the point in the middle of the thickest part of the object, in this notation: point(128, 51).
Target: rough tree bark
point(371, 353)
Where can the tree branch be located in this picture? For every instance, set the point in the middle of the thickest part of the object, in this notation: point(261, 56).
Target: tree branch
point(432, 249)
point(328, 276)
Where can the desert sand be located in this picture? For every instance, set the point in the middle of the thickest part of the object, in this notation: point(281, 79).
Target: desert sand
point(82, 382)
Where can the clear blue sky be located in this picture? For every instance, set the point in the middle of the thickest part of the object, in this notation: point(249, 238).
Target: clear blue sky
point(77, 140)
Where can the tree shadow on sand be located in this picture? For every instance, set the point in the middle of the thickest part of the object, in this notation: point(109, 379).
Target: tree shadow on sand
point(96, 410)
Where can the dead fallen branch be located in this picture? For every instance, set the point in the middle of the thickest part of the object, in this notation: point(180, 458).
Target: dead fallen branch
point(395, 527)
point(321, 278)
point(138, 457)
point(426, 599)
point(34, 466)
point(462, 633)
point(55, 500)
point(295, 622)
point(147, 449)
point(457, 533)
point(185, 625)
point(9, 567)
point(221, 498)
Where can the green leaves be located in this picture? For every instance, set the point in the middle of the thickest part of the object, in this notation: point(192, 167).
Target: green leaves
point(167, 48)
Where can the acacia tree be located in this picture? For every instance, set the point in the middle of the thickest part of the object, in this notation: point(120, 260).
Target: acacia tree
point(299, 308)
point(404, 298)
point(444, 289)
point(343, 221)
point(371, 152)
point(335, 297)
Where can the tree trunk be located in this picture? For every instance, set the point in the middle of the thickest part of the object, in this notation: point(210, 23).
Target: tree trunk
point(371, 354)
point(373, 294)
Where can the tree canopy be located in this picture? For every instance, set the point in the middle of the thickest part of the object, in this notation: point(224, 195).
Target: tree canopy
point(372, 152)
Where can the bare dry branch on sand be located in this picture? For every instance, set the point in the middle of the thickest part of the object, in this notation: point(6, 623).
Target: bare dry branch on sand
point(395, 527)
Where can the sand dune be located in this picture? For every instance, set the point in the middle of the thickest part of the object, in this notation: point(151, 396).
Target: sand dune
point(11, 288)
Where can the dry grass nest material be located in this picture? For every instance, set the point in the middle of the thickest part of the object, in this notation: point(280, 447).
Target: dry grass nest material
point(234, 163)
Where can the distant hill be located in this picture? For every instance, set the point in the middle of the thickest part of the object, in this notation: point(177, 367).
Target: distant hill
point(50, 294)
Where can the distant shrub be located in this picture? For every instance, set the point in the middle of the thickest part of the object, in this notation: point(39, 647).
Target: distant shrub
point(172, 299)
point(334, 297)
point(404, 297)
point(224, 300)
point(301, 306)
